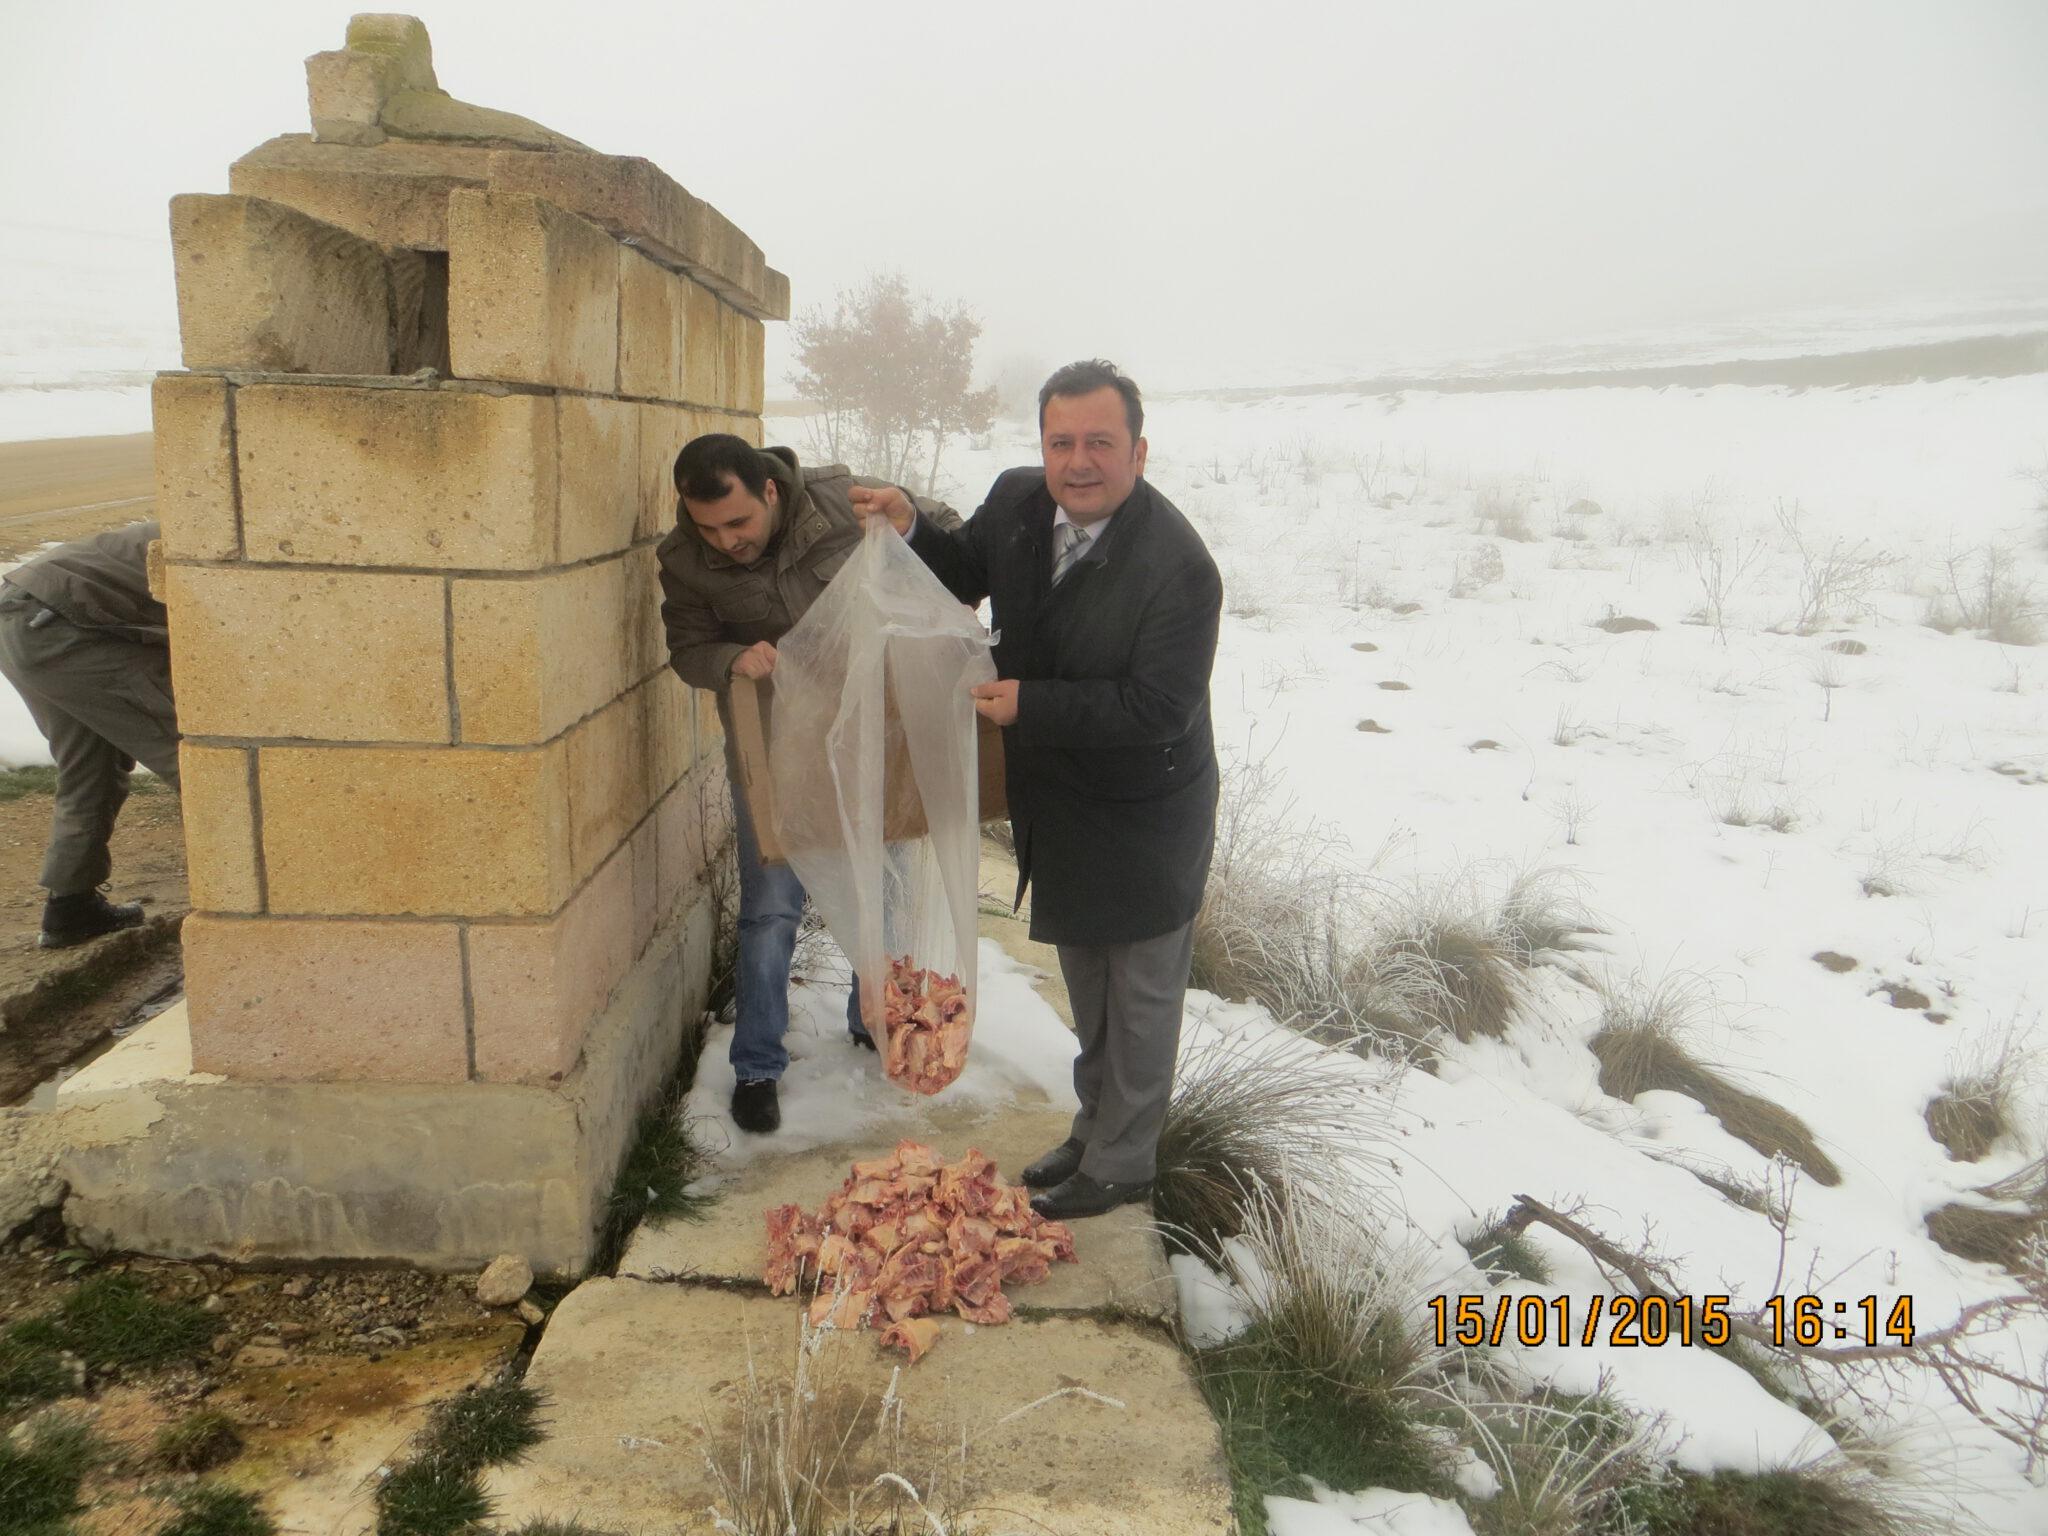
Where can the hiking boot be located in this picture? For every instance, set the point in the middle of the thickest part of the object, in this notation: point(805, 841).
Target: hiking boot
point(755, 1107)
point(69, 920)
point(1083, 1196)
point(1056, 1167)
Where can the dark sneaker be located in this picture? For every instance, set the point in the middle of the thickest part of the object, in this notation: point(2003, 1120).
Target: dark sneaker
point(69, 920)
point(862, 1038)
point(1056, 1167)
point(1083, 1196)
point(755, 1107)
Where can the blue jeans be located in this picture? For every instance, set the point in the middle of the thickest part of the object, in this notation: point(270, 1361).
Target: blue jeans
point(771, 905)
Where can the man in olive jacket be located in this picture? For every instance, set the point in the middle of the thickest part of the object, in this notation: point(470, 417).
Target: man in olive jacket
point(88, 649)
point(1107, 606)
point(757, 538)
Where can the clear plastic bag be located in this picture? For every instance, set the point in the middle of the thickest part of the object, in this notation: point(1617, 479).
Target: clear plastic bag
point(876, 775)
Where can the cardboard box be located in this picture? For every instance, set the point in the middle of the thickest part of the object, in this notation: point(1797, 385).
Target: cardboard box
point(902, 818)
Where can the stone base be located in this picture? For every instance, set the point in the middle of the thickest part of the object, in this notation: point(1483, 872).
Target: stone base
point(665, 1398)
point(441, 1177)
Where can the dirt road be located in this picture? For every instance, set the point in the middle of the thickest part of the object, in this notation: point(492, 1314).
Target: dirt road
point(65, 488)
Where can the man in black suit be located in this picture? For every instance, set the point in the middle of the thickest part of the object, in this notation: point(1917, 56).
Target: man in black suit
point(1106, 607)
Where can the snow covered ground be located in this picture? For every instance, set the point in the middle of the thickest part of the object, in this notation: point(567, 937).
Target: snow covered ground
point(1358, 541)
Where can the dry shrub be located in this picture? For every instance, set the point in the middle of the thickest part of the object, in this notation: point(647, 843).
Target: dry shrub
point(1988, 1236)
point(1255, 1123)
point(1564, 1464)
point(1639, 1048)
point(1984, 590)
point(1988, 1082)
point(1452, 960)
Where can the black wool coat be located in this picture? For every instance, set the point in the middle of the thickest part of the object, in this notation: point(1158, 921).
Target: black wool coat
point(1111, 763)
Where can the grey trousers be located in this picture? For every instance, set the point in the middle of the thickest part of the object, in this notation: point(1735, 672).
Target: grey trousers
point(104, 703)
point(1127, 1001)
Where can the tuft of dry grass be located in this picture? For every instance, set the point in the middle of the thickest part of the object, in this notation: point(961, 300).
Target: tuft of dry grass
point(1979, 1103)
point(1639, 1047)
point(1253, 1123)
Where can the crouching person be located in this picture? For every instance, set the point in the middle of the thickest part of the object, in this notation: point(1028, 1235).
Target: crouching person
point(88, 649)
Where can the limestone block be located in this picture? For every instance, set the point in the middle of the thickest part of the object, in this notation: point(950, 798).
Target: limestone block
point(278, 1000)
point(390, 831)
point(537, 987)
point(633, 197)
point(395, 194)
point(217, 797)
point(671, 730)
point(704, 346)
point(195, 466)
point(691, 824)
point(346, 93)
point(1133, 1452)
point(744, 339)
point(608, 781)
point(262, 286)
point(535, 655)
point(644, 849)
point(442, 478)
point(710, 728)
point(647, 648)
point(599, 453)
point(400, 43)
point(533, 293)
point(650, 328)
point(153, 568)
point(324, 655)
point(663, 431)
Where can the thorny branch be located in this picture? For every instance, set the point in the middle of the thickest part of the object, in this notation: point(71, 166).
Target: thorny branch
point(1946, 1351)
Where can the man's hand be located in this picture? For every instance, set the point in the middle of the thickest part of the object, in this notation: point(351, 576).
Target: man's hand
point(996, 702)
point(887, 502)
point(756, 661)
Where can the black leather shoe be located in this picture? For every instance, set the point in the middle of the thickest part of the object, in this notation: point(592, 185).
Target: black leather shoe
point(755, 1107)
point(1083, 1196)
point(863, 1039)
point(1056, 1167)
point(69, 920)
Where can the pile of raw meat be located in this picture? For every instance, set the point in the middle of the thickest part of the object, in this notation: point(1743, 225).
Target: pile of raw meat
point(906, 1237)
point(926, 1022)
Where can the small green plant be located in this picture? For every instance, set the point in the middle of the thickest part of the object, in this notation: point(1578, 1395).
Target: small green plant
point(199, 1442)
point(30, 1372)
point(32, 780)
point(211, 1510)
point(111, 1320)
point(1776, 1503)
point(431, 1497)
point(1501, 1253)
point(39, 1478)
point(659, 1168)
point(493, 1424)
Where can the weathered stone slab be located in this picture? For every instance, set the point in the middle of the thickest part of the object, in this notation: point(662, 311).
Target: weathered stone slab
point(1071, 1425)
point(608, 781)
point(275, 999)
point(538, 986)
point(651, 347)
point(633, 197)
point(195, 466)
point(324, 655)
point(1122, 1265)
point(216, 798)
point(599, 450)
point(157, 1052)
point(444, 1176)
point(416, 832)
point(533, 293)
point(533, 655)
point(395, 194)
point(448, 479)
point(262, 286)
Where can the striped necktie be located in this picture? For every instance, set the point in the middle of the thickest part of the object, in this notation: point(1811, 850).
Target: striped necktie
point(1071, 541)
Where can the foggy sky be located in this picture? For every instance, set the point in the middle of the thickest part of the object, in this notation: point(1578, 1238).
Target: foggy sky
point(1202, 192)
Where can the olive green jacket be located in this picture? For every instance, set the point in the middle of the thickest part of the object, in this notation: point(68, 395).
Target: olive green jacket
point(713, 607)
